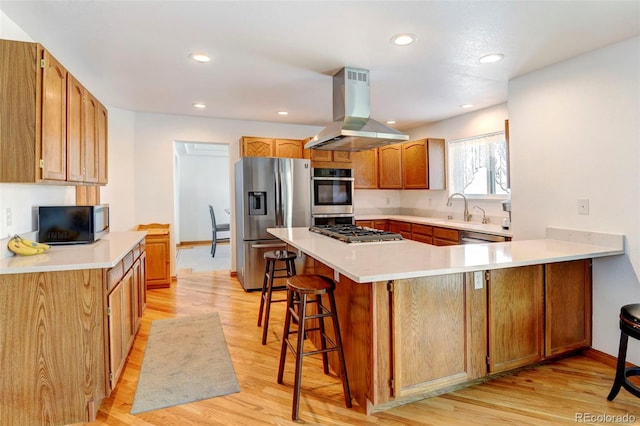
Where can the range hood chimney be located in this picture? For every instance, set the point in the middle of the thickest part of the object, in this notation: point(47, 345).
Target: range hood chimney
point(352, 129)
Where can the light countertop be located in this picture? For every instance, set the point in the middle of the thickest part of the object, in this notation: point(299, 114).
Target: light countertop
point(390, 260)
point(488, 228)
point(105, 253)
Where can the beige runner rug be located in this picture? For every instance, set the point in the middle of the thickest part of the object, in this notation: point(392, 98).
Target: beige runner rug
point(186, 360)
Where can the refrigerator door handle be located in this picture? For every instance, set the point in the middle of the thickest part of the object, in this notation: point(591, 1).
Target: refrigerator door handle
point(278, 191)
point(269, 245)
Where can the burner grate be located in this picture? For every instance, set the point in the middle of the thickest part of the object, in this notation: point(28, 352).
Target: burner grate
point(355, 234)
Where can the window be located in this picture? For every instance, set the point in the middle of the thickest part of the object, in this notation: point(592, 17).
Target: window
point(478, 165)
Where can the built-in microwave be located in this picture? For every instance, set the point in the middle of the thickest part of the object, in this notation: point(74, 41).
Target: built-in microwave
point(332, 192)
point(72, 224)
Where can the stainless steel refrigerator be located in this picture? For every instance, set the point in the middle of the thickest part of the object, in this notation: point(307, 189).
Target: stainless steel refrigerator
point(270, 193)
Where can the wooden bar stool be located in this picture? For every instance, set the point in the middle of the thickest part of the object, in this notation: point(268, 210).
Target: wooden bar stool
point(271, 273)
point(299, 288)
point(629, 326)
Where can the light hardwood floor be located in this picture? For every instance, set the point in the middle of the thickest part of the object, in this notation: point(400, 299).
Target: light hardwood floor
point(553, 394)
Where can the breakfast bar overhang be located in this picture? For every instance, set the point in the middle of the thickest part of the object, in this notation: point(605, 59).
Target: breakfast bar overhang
point(419, 320)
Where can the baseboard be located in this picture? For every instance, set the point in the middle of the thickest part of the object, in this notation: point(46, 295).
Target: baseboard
point(200, 243)
point(604, 358)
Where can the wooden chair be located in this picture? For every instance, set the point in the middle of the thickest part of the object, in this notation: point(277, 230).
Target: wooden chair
point(215, 227)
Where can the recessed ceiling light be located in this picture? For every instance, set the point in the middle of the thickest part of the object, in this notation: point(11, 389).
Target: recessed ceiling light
point(391, 121)
point(200, 57)
point(491, 58)
point(466, 106)
point(283, 113)
point(199, 105)
point(403, 39)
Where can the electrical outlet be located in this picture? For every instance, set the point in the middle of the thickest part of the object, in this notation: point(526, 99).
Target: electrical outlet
point(477, 280)
point(8, 217)
point(583, 206)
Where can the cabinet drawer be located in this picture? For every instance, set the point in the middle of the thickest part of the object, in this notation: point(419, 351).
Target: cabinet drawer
point(422, 238)
point(127, 261)
point(446, 234)
point(400, 227)
point(114, 275)
point(417, 229)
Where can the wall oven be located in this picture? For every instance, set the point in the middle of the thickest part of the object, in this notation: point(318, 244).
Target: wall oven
point(332, 193)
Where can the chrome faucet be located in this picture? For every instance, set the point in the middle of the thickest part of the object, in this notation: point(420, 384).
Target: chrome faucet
point(485, 220)
point(467, 216)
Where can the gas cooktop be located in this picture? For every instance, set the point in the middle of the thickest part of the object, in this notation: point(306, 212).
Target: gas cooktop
point(355, 234)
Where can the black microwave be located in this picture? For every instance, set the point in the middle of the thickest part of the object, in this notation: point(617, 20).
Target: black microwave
point(72, 224)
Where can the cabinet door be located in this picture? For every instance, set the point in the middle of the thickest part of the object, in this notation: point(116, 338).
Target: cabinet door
point(414, 165)
point(91, 149)
point(390, 167)
point(320, 155)
point(341, 156)
point(102, 135)
point(516, 317)
point(158, 273)
point(288, 148)
point(75, 129)
point(121, 325)
point(402, 228)
point(142, 287)
point(453, 350)
point(257, 147)
point(54, 119)
point(568, 306)
point(365, 169)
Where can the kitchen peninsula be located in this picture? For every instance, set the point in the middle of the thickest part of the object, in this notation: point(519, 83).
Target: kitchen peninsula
point(419, 320)
point(68, 320)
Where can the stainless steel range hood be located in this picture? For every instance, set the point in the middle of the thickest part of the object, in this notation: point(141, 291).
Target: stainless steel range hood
point(352, 129)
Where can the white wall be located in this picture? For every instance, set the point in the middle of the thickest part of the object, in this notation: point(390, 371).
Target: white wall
point(120, 192)
point(203, 181)
point(575, 133)
point(154, 157)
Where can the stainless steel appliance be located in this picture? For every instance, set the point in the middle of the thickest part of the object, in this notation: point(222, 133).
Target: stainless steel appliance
point(332, 193)
point(352, 128)
point(270, 193)
point(355, 234)
point(72, 224)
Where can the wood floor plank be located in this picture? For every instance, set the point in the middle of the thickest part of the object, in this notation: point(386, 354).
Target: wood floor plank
point(551, 394)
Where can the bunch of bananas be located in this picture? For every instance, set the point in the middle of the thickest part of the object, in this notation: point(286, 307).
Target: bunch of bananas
point(24, 247)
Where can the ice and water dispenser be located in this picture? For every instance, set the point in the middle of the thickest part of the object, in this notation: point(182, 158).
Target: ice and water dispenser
point(257, 203)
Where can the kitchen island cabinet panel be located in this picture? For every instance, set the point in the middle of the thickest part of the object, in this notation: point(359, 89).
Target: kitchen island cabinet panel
point(52, 347)
point(444, 354)
point(516, 317)
point(567, 306)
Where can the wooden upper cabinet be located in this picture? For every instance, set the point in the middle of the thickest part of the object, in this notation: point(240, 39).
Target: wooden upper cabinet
point(92, 111)
point(321, 155)
point(75, 130)
point(331, 159)
point(365, 169)
point(423, 164)
point(42, 118)
point(257, 147)
point(390, 167)
point(54, 119)
point(102, 134)
point(342, 156)
point(269, 147)
point(288, 148)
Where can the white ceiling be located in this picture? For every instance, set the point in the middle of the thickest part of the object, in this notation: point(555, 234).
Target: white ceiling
point(280, 55)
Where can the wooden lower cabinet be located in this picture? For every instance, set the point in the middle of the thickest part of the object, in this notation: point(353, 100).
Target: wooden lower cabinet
point(515, 316)
point(568, 306)
point(399, 227)
point(422, 233)
point(451, 349)
point(412, 338)
point(445, 236)
point(158, 241)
